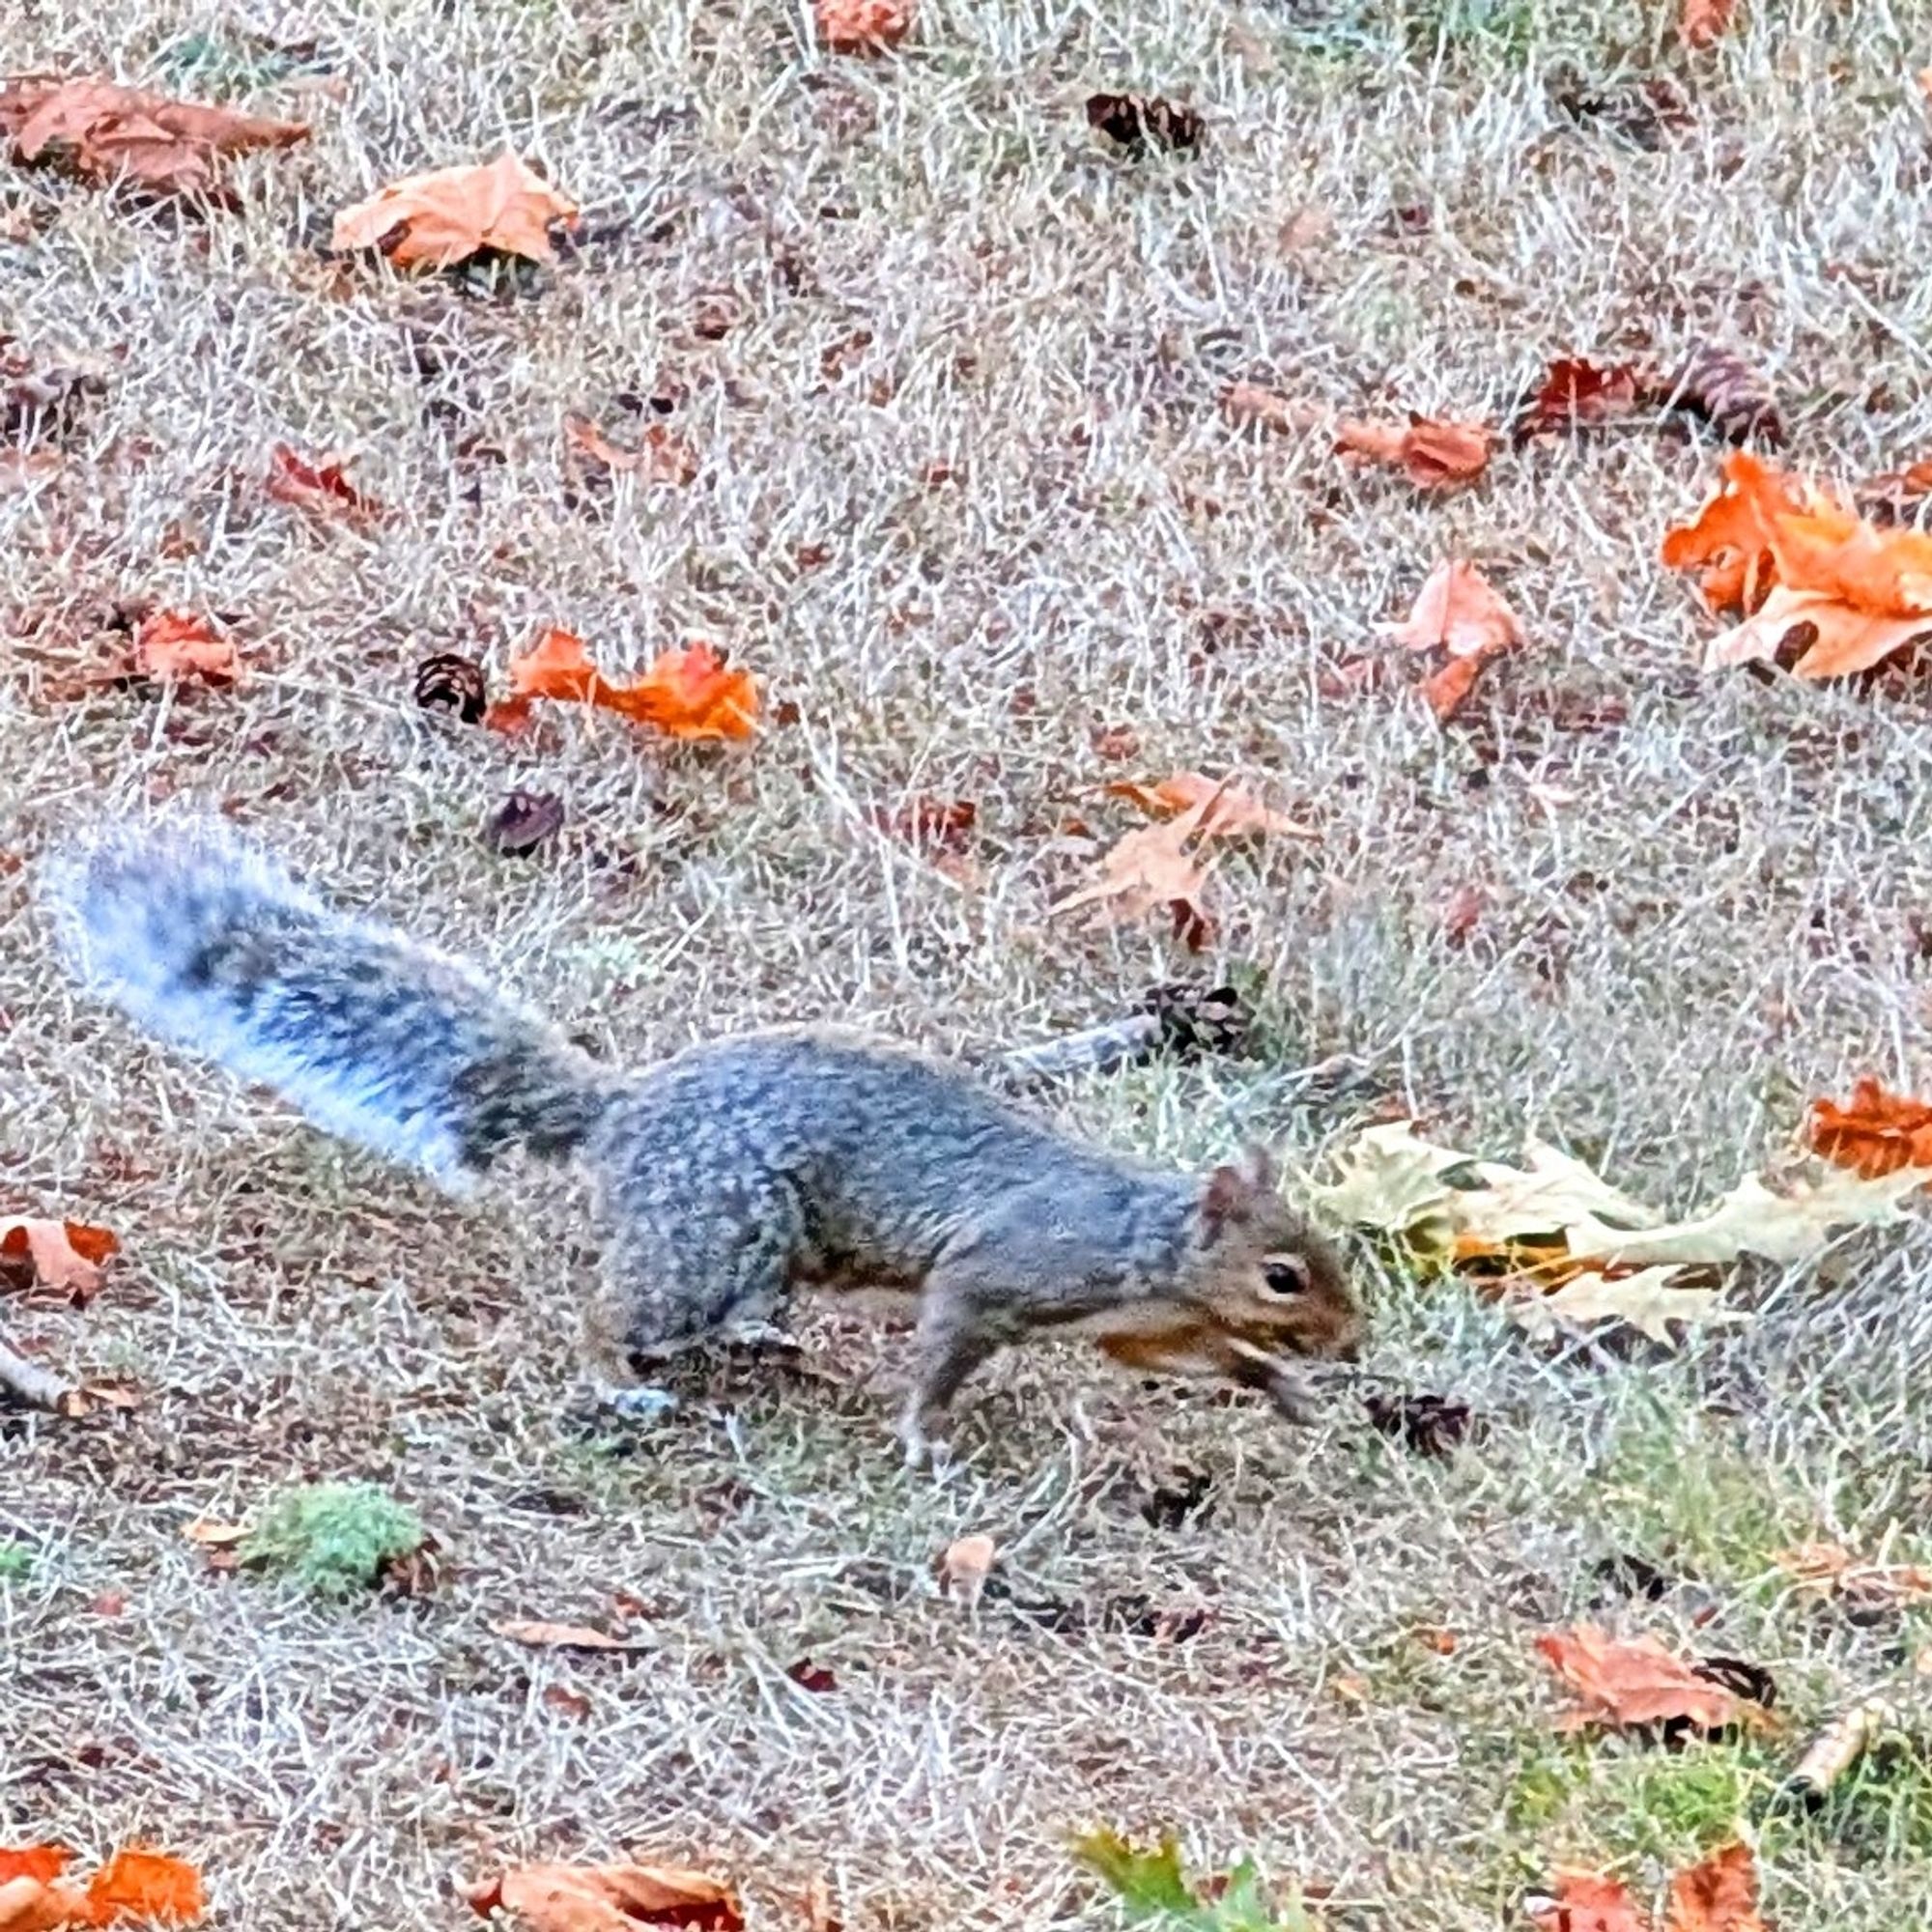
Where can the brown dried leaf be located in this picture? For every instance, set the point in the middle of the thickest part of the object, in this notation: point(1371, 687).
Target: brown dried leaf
point(964, 1567)
point(1435, 455)
point(536, 1635)
point(1628, 1680)
point(443, 218)
point(611, 1898)
point(107, 132)
point(1231, 810)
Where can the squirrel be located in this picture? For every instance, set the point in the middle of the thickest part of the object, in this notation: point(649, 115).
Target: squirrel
point(728, 1174)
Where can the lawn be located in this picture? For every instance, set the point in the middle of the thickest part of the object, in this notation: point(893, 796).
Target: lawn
point(967, 505)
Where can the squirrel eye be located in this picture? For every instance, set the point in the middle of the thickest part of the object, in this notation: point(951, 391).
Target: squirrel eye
point(1286, 1277)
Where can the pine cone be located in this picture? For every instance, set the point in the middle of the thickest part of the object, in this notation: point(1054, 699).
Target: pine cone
point(1195, 1019)
point(1732, 398)
point(449, 682)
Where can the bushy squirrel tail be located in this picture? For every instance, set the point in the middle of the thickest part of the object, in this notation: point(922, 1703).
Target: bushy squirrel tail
point(207, 943)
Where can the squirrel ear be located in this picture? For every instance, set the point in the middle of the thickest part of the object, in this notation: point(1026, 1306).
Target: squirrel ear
point(1229, 1194)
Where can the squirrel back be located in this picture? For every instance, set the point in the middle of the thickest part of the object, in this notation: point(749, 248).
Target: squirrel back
point(206, 943)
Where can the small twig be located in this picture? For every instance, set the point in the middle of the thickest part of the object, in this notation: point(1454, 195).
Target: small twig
point(36, 1387)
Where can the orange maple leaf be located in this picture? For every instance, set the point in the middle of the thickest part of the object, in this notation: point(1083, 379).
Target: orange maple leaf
point(611, 1898)
point(179, 644)
point(1874, 1133)
point(1810, 575)
point(686, 693)
point(863, 26)
point(1719, 1895)
point(151, 1887)
point(1435, 455)
point(63, 1255)
point(108, 132)
point(1635, 1681)
point(443, 218)
point(134, 1885)
point(1588, 1902)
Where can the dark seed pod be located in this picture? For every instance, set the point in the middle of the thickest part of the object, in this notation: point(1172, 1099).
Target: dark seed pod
point(523, 821)
point(452, 683)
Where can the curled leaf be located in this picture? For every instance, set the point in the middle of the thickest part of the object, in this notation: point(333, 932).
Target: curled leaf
point(686, 693)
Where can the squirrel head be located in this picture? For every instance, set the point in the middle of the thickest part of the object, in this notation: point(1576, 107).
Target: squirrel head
point(1273, 1280)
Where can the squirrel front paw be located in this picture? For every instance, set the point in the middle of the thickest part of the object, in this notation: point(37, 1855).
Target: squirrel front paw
point(1294, 1399)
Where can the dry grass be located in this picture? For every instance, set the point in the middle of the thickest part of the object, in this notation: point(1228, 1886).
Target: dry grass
point(1697, 915)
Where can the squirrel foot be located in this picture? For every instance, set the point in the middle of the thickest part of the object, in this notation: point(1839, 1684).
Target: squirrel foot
point(923, 1451)
point(641, 1404)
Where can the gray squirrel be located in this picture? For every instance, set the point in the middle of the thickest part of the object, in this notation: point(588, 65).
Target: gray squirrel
point(726, 1176)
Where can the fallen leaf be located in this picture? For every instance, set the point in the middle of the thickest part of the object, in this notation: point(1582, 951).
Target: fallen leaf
point(686, 693)
point(1161, 867)
point(62, 1255)
point(964, 1567)
point(1576, 395)
point(1459, 610)
point(539, 1635)
point(1450, 686)
point(180, 644)
point(1820, 585)
point(320, 488)
point(146, 1886)
point(1231, 810)
point(943, 824)
point(812, 1677)
point(611, 1898)
point(43, 1864)
point(1875, 1133)
point(1552, 1224)
point(1719, 1895)
point(1138, 121)
point(1703, 23)
point(863, 26)
point(107, 132)
point(1646, 1299)
point(1245, 403)
point(439, 219)
point(1832, 1570)
point(134, 1885)
point(1435, 455)
point(213, 1535)
point(1635, 1681)
point(665, 457)
point(1588, 1902)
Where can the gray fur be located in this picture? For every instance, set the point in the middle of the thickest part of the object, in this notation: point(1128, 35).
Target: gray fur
point(729, 1175)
